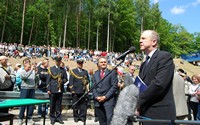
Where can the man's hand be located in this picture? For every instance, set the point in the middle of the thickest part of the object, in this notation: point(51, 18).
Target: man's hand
point(137, 112)
point(98, 98)
point(49, 92)
point(33, 67)
point(121, 86)
point(198, 92)
point(7, 77)
point(101, 98)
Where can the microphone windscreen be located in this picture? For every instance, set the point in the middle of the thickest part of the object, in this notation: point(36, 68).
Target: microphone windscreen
point(125, 105)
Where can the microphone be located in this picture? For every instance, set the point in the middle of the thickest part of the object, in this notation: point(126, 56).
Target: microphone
point(130, 50)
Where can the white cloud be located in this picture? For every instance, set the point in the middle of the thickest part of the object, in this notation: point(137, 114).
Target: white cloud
point(181, 9)
point(178, 10)
point(196, 3)
point(155, 1)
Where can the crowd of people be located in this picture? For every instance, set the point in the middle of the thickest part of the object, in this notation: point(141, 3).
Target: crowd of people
point(18, 51)
point(158, 101)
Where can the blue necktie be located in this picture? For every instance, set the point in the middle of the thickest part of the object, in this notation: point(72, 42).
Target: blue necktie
point(147, 60)
point(145, 64)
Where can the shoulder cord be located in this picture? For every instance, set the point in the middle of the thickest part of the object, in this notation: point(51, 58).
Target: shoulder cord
point(58, 77)
point(83, 79)
point(73, 74)
point(54, 77)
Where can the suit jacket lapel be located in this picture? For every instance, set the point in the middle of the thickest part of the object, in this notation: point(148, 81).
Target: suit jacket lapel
point(98, 75)
point(106, 72)
point(141, 70)
point(152, 59)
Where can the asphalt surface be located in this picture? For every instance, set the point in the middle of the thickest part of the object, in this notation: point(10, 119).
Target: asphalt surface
point(67, 118)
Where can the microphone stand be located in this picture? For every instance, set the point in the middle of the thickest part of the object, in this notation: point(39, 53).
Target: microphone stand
point(95, 85)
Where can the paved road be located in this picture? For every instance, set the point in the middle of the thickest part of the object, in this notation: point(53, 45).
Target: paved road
point(69, 121)
point(67, 118)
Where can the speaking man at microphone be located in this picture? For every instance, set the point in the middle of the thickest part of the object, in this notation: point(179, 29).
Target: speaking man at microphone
point(157, 101)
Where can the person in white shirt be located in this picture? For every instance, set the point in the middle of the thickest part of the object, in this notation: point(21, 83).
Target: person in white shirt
point(194, 97)
point(6, 78)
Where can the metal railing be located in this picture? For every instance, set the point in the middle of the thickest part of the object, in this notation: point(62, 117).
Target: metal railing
point(67, 98)
point(169, 122)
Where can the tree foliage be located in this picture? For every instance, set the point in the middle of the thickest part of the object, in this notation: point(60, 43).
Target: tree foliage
point(91, 24)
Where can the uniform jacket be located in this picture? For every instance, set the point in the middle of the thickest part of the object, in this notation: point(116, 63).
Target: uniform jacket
point(53, 83)
point(108, 87)
point(76, 85)
point(157, 100)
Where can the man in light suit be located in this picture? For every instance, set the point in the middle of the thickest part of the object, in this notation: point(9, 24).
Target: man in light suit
point(105, 92)
point(157, 72)
point(179, 97)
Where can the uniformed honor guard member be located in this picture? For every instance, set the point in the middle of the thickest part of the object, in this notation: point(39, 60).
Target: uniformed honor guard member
point(55, 80)
point(78, 84)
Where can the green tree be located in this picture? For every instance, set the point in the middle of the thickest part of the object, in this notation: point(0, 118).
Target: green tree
point(142, 9)
point(125, 25)
point(112, 25)
point(182, 40)
point(197, 41)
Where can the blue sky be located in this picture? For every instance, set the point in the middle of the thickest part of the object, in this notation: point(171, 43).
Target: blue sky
point(184, 12)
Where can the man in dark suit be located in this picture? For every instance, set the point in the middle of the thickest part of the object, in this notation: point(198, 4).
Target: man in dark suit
point(157, 72)
point(78, 84)
point(105, 92)
point(42, 70)
point(55, 81)
point(129, 76)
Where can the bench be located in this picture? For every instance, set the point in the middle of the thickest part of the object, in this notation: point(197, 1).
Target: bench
point(6, 117)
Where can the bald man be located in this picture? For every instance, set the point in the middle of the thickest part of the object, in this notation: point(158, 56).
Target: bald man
point(7, 75)
point(157, 72)
point(7, 78)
